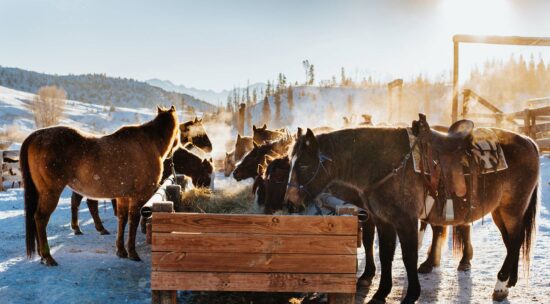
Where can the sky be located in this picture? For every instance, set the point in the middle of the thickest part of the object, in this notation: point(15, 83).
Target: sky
point(222, 44)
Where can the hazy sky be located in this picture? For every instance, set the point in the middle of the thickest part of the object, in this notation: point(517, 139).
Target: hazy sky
point(221, 44)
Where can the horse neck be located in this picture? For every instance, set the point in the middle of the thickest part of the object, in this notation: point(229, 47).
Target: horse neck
point(375, 153)
point(162, 137)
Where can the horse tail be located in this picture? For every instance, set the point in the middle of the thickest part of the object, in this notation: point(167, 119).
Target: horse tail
point(31, 198)
point(458, 242)
point(530, 227)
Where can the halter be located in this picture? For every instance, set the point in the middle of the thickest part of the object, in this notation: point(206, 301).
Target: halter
point(302, 187)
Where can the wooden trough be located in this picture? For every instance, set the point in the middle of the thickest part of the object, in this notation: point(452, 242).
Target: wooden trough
point(262, 253)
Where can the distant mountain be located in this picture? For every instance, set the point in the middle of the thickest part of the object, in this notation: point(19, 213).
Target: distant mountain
point(101, 89)
point(213, 97)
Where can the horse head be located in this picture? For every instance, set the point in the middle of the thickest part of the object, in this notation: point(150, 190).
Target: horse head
point(167, 121)
point(243, 145)
point(193, 132)
point(276, 179)
point(263, 135)
point(247, 167)
point(229, 163)
point(309, 169)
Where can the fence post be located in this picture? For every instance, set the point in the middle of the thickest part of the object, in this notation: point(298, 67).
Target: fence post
point(527, 122)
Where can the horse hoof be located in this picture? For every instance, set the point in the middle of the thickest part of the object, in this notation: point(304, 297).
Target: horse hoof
point(500, 295)
point(464, 267)
point(425, 268)
point(77, 232)
point(48, 261)
point(134, 257)
point(364, 282)
point(104, 232)
point(122, 254)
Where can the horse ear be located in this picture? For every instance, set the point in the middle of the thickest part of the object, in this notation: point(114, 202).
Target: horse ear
point(172, 108)
point(210, 160)
point(159, 110)
point(299, 133)
point(264, 127)
point(311, 140)
point(254, 127)
point(196, 119)
point(226, 154)
point(238, 136)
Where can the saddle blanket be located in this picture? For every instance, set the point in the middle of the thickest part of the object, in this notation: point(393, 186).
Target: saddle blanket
point(486, 151)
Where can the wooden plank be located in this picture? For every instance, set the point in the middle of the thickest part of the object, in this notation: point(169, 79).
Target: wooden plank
point(254, 224)
point(253, 262)
point(254, 243)
point(11, 178)
point(544, 127)
point(543, 111)
point(507, 40)
point(544, 144)
point(11, 154)
point(268, 282)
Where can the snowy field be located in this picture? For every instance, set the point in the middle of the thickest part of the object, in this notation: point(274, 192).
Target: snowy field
point(90, 272)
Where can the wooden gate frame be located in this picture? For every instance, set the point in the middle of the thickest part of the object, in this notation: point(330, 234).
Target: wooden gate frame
point(503, 40)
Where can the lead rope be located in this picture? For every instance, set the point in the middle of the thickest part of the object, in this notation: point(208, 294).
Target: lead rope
point(173, 167)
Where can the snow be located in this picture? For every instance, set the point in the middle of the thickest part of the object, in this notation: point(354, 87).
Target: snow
point(90, 271)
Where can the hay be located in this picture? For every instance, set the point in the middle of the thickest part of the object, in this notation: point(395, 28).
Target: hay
point(204, 200)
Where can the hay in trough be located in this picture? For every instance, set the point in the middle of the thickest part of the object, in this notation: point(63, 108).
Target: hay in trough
point(203, 200)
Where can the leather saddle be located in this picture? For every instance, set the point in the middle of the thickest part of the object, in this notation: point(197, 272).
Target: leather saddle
point(442, 157)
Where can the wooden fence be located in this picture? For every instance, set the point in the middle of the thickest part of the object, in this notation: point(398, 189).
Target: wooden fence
point(9, 168)
point(533, 121)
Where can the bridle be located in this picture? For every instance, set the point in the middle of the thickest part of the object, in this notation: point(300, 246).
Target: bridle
point(303, 187)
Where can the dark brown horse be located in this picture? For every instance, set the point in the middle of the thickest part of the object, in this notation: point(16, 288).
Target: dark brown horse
point(247, 167)
point(375, 161)
point(187, 163)
point(191, 132)
point(262, 135)
point(126, 165)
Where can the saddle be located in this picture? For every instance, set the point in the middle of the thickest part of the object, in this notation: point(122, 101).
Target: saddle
point(444, 157)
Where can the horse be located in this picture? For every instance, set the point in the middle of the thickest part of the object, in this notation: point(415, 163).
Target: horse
point(191, 132)
point(247, 167)
point(187, 163)
point(262, 135)
point(270, 187)
point(376, 161)
point(111, 166)
point(229, 163)
point(243, 145)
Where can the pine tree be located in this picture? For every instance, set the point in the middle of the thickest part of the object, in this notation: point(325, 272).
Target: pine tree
point(306, 65)
point(254, 97)
point(343, 80)
point(277, 102)
point(290, 98)
point(240, 118)
point(268, 89)
point(311, 75)
point(266, 112)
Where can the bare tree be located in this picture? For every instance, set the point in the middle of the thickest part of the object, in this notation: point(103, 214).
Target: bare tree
point(47, 106)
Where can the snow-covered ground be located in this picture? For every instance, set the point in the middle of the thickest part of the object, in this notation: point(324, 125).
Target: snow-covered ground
point(90, 272)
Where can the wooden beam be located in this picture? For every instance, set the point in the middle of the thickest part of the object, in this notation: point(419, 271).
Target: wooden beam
point(253, 243)
point(506, 40)
point(254, 224)
point(279, 282)
point(544, 144)
point(545, 127)
point(253, 262)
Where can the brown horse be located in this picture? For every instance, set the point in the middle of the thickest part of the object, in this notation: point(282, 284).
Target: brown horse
point(187, 163)
point(229, 163)
point(243, 145)
point(263, 135)
point(126, 165)
point(247, 167)
point(191, 132)
point(375, 161)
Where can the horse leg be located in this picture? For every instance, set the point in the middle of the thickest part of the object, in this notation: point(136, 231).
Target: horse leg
point(113, 202)
point(47, 204)
point(75, 204)
point(94, 211)
point(467, 249)
point(122, 215)
point(368, 241)
point(134, 216)
point(439, 234)
point(407, 230)
point(510, 228)
point(386, 250)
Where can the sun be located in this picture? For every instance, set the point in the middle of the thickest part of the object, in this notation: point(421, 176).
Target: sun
point(479, 17)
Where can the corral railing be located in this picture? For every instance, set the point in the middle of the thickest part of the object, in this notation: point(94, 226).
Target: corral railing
point(9, 168)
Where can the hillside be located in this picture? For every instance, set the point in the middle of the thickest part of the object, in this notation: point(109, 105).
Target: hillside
point(210, 96)
point(100, 89)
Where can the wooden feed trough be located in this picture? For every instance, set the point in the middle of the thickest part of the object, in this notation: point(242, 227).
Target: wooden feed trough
point(229, 252)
